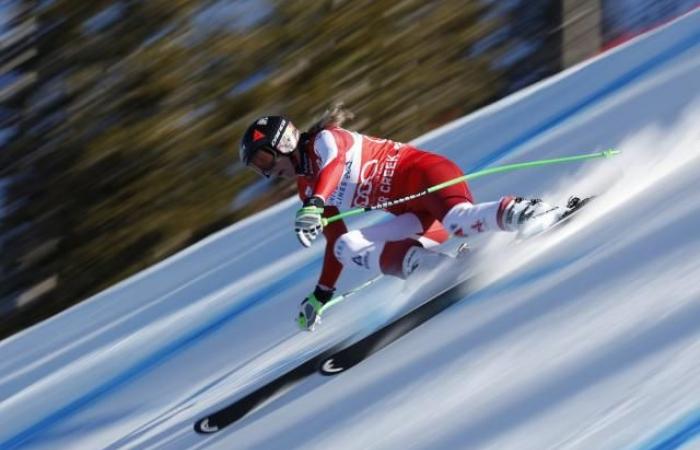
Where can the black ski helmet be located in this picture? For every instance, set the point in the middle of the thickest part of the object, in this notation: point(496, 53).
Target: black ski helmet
point(274, 134)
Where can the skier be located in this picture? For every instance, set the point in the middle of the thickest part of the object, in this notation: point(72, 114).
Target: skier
point(338, 169)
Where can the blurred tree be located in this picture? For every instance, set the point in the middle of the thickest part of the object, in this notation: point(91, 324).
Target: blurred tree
point(403, 66)
point(581, 30)
point(128, 127)
point(91, 170)
point(530, 37)
point(625, 19)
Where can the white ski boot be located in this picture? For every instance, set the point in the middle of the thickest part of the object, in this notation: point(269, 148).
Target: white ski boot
point(527, 217)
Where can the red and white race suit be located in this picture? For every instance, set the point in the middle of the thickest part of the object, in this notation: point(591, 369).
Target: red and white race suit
point(348, 169)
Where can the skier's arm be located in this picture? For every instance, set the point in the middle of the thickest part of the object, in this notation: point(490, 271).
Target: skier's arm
point(330, 272)
point(331, 151)
point(330, 148)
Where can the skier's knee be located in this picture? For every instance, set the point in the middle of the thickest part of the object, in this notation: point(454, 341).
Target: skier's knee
point(354, 250)
point(397, 260)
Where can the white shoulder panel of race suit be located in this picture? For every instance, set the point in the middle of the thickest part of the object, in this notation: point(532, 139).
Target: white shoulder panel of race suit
point(326, 148)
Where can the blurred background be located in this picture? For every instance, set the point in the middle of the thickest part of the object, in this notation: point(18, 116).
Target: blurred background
point(120, 119)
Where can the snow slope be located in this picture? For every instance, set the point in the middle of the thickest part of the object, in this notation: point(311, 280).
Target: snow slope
point(585, 339)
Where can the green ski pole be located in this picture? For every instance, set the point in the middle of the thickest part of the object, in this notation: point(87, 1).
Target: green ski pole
point(493, 170)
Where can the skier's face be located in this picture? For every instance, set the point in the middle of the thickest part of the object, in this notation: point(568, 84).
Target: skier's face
point(267, 164)
point(263, 161)
point(284, 168)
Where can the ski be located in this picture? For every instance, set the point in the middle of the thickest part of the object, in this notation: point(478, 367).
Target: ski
point(573, 206)
point(229, 414)
point(348, 357)
point(399, 326)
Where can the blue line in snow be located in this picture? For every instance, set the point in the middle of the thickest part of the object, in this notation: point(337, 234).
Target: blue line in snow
point(676, 435)
point(160, 356)
point(624, 80)
point(155, 359)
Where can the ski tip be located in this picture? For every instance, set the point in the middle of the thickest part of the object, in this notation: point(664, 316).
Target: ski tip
point(331, 367)
point(609, 153)
point(204, 427)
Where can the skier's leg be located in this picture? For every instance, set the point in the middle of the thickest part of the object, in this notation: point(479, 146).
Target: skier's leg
point(362, 249)
point(454, 206)
point(508, 214)
point(467, 219)
point(404, 257)
point(396, 247)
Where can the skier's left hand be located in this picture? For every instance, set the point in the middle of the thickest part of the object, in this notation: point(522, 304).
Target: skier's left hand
point(308, 223)
point(310, 309)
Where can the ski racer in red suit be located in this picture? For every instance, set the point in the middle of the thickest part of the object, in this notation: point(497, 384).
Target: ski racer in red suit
point(338, 169)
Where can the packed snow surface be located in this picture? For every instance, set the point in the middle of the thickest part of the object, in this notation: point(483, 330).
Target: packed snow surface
point(587, 338)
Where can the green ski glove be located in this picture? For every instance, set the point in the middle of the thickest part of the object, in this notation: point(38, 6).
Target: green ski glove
point(308, 223)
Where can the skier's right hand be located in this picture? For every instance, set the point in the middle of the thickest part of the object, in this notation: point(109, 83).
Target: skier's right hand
point(309, 221)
